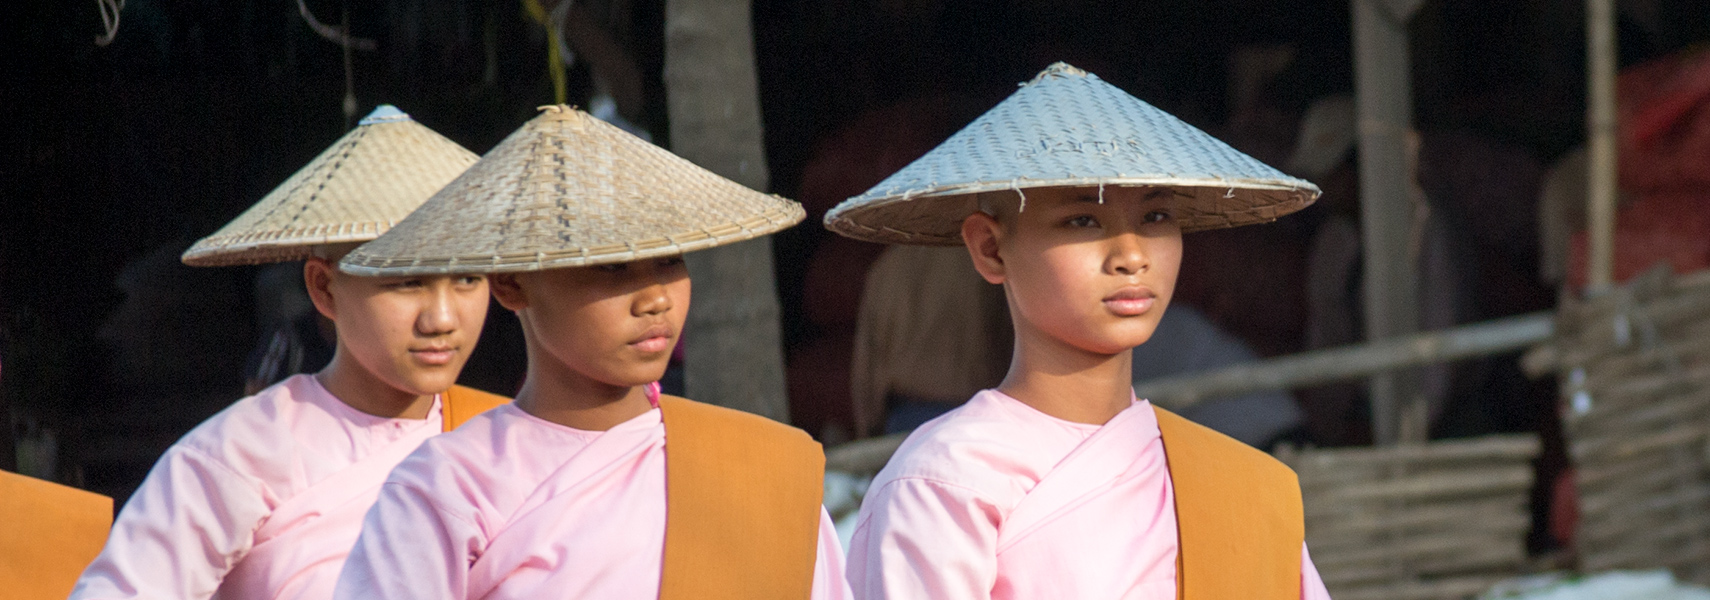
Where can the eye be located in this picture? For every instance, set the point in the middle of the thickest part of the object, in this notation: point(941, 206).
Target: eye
point(670, 261)
point(407, 284)
point(470, 280)
point(613, 267)
point(1081, 221)
point(1158, 216)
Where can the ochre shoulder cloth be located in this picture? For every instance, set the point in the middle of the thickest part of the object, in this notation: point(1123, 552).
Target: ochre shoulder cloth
point(1239, 520)
point(742, 505)
point(463, 403)
point(52, 533)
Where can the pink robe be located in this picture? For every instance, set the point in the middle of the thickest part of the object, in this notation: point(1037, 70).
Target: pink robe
point(998, 500)
point(513, 506)
point(263, 500)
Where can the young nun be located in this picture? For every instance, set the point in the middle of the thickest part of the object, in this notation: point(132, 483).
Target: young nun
point(1059, 483)
point(264, 499)
point(592, 485)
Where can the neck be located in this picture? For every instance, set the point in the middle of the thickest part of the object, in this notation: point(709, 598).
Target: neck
point(555, 392)
point(358, 388)
point(1066, 382)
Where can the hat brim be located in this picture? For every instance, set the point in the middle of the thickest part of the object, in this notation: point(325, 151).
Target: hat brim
point(934, 217)
point(785, 215)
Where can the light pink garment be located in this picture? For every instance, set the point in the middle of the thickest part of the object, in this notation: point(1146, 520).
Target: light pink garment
point(263, 500)
point(998, 500)
point(513, 506)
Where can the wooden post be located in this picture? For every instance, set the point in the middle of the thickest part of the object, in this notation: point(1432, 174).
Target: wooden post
point(1600, 128)
point(734, 352)
point(1384, 104)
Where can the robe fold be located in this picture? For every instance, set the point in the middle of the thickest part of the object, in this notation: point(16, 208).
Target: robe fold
point(998, 500)
point(512, 506)
point(263, 500)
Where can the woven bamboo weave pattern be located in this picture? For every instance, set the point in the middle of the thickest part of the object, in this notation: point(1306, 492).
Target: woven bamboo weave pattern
point(1634, 367)
point(1068, 128)
point(569, 190)
point(1437, 521)
point(354, 191)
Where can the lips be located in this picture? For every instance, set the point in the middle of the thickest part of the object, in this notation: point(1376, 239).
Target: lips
point(434, 355)
point(1131, 301)
point(656, 339)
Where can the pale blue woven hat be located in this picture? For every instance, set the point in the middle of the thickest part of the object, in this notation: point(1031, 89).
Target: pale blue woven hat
point(1068, 128)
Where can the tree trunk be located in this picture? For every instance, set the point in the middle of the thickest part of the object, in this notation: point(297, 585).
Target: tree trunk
point(734, 354)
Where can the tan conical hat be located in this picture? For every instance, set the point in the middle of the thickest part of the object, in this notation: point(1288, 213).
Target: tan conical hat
point(1068, 128)
point(569, 190)
point(353, 192)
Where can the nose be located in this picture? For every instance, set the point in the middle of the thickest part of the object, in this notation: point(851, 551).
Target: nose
point(439, 312)
point(651, 300)
point(1127, 255)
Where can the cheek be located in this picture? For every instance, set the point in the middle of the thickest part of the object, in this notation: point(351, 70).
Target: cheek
point(472, 312)
point(1066, 274)
point(1167, 263)
point(591, 329)
point(377, 331)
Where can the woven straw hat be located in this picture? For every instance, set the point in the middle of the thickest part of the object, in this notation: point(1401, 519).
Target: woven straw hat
point(353, 192)
point(569, 190)
point(1069, 128)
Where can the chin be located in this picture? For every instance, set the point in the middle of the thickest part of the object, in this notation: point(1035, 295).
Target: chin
point(641, 375)
point(429, 383)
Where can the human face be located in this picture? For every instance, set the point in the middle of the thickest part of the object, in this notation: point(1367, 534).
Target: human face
point(1093, 275)
point(612, 324)
point(412, 333)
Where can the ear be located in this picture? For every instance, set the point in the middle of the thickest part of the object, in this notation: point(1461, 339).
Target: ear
point(317, 277)
point(982, 234)
point(508, 291)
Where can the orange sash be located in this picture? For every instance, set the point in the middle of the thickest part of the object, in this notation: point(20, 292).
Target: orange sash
point(742, 497)
point(51, 533)
point(1238, 516)
point(463, 403)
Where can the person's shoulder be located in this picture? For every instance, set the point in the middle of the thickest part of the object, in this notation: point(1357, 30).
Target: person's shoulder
point(477, 441)
point(254, 428)
point(1190, 445)
point(467, 465)
point(735, 424)
point(973, 446)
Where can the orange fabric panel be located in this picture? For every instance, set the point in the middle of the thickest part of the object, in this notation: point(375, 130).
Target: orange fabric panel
point(50, 533)
point(742, 504)
point(1238, 516)
point(463, 403)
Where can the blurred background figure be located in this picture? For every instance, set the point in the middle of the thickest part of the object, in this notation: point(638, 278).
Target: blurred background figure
point(931, 334)
point(295, 337)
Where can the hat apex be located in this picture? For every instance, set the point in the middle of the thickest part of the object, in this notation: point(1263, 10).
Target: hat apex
point(354, 191)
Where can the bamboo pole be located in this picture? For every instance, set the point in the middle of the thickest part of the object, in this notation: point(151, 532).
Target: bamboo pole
point(734, 347)
point(1384, 103)
point(1600, 128)
point(1350, 362)
point(1288, 372)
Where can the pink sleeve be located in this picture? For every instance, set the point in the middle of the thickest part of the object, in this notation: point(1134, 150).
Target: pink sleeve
point(828, 580)
point(923, 539)
point(1311, 585)
point(409, 549)
point(192, 519)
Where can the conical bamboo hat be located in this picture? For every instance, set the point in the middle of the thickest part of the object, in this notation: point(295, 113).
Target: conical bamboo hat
point(569, 190)
point(353, 192)
point(1068, 128)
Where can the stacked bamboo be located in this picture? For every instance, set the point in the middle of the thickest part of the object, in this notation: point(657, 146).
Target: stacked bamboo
point(1443, 520)
point(1635, 371)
